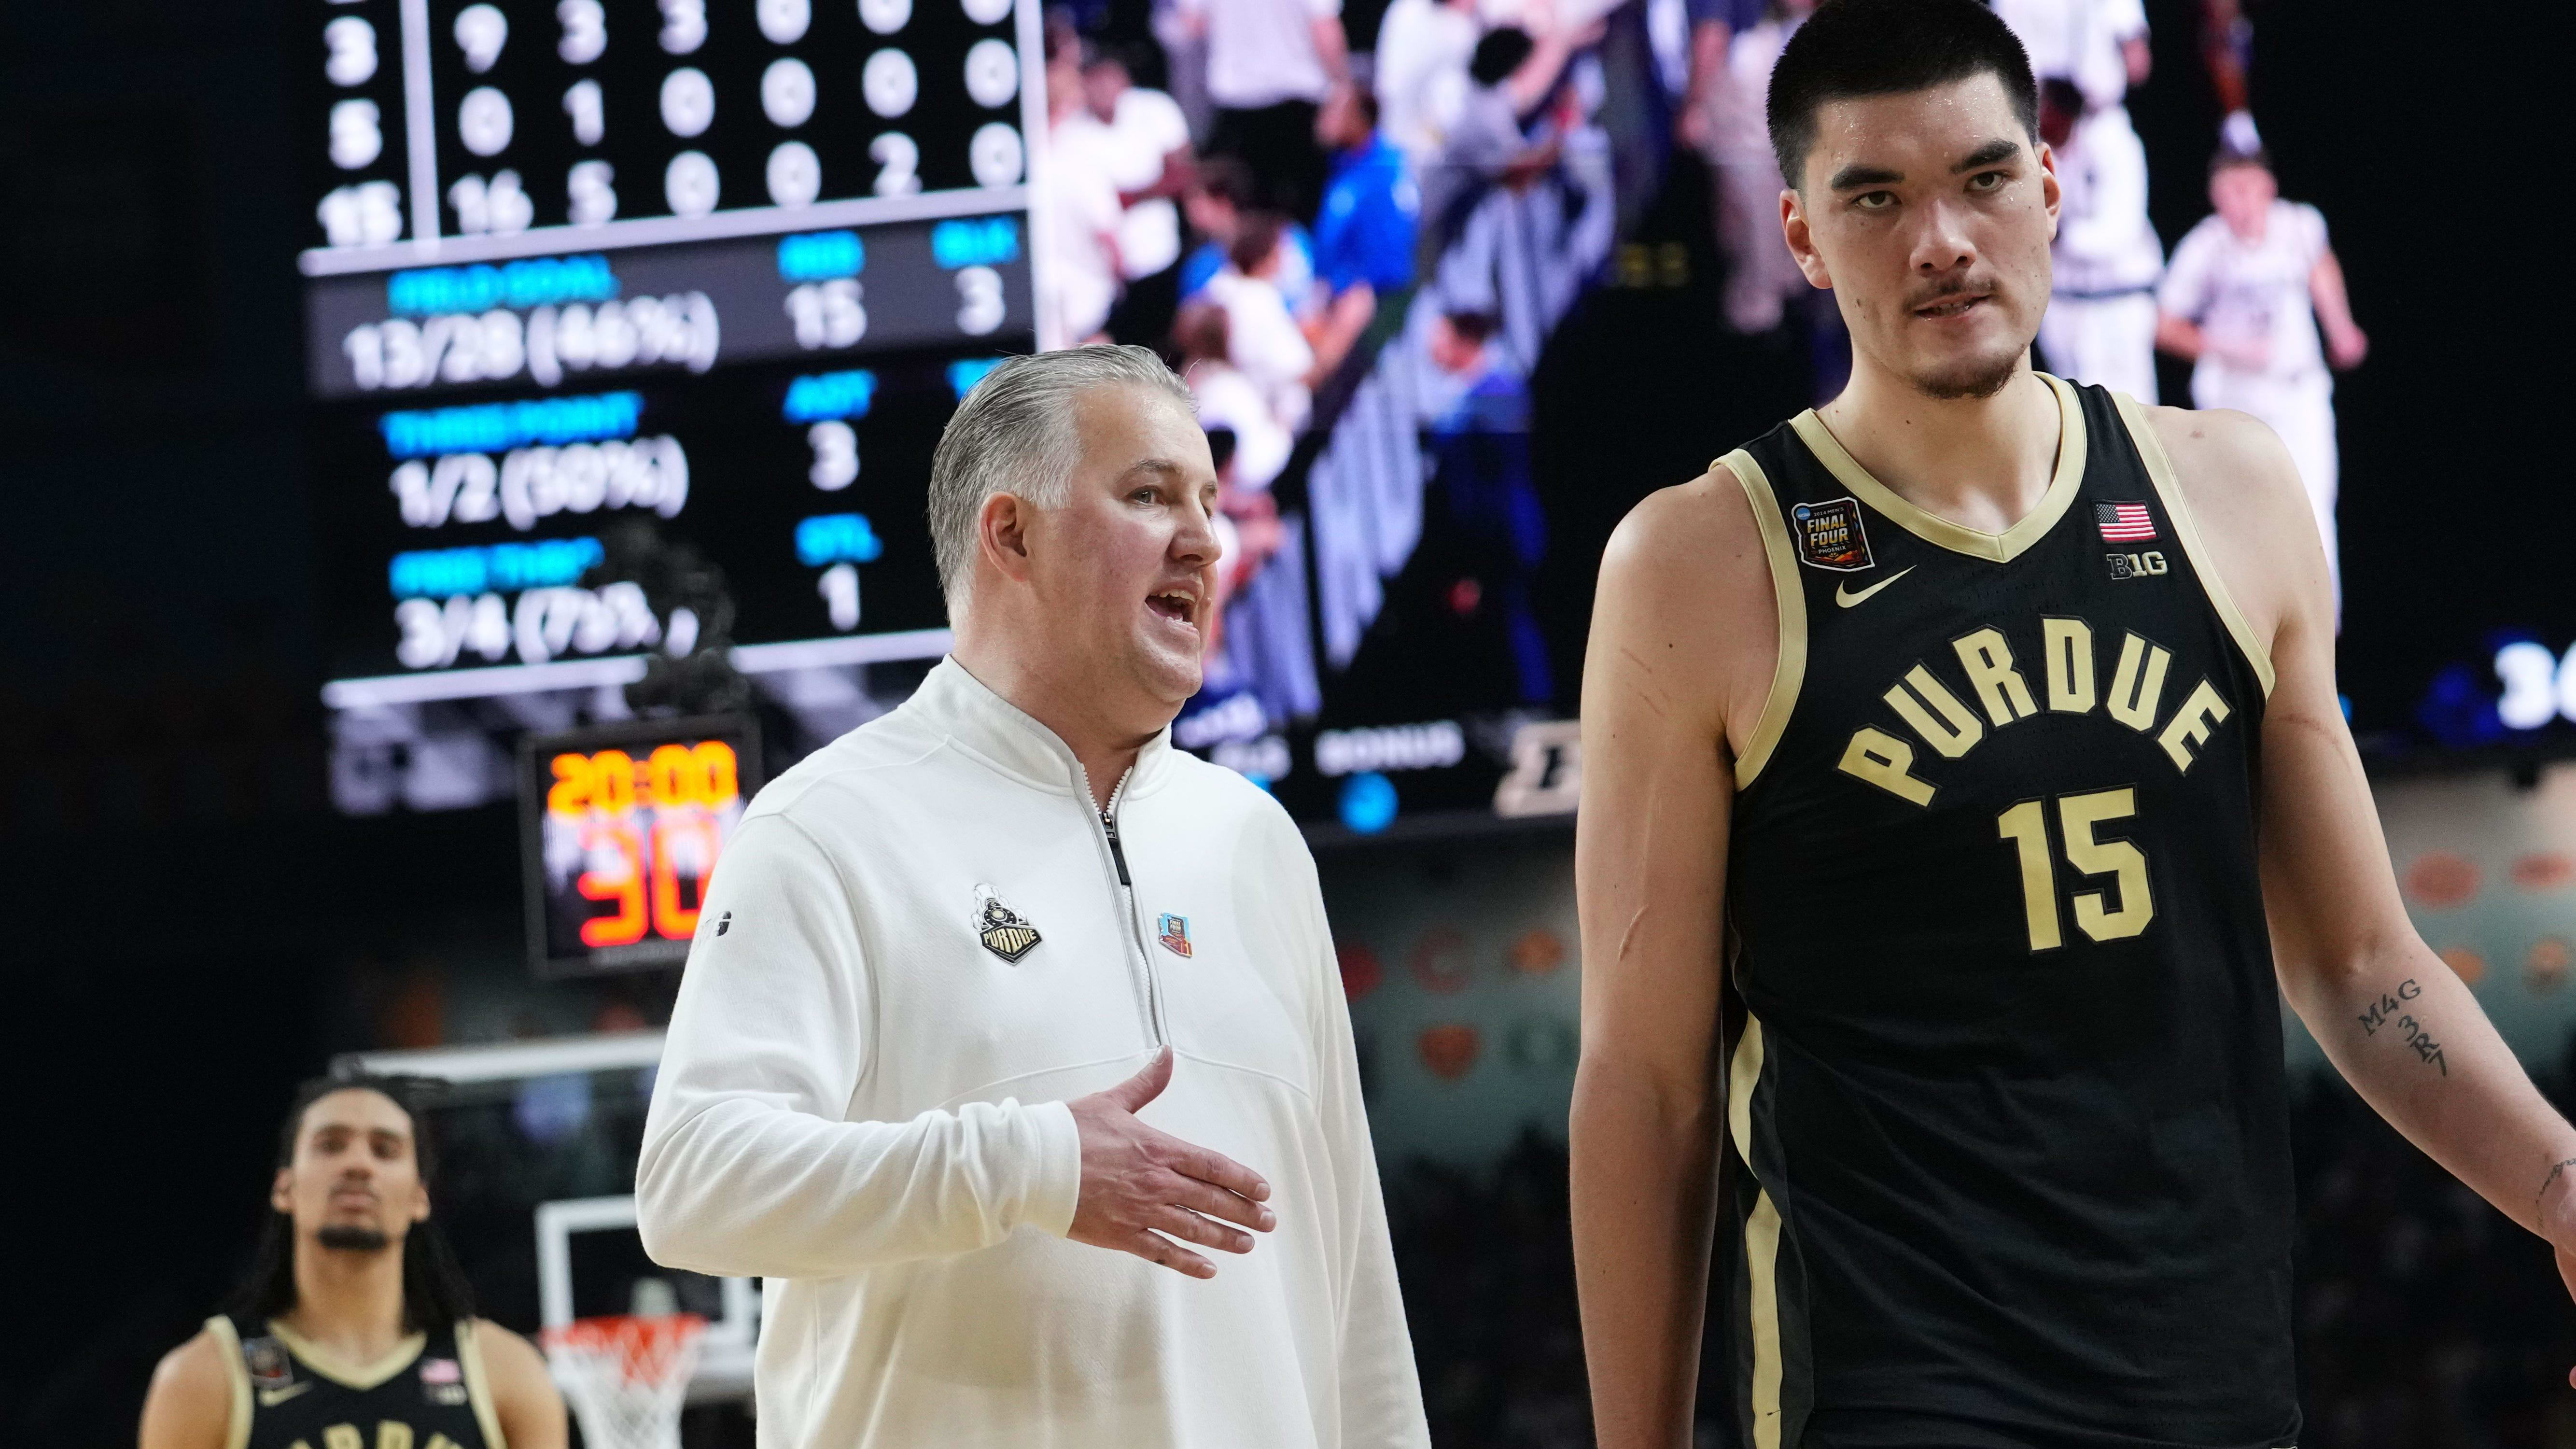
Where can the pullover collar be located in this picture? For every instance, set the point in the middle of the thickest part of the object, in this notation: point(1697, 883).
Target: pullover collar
point(954, 704)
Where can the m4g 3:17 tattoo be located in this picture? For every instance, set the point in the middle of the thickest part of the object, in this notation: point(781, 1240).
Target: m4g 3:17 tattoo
point(2390, 1010)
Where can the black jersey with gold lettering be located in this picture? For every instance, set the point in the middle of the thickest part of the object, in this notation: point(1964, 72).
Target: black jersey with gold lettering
point(2008, 1078)
point(429, 1393)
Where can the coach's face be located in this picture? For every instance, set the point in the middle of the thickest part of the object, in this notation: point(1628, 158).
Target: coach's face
point(1930, 213)
point(1124, 573)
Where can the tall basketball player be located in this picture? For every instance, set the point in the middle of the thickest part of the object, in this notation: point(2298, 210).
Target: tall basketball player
point(1979, 732)
point(355, 1329)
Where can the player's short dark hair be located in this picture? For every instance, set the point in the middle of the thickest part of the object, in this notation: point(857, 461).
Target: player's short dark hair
point(2228, 157)
point(1852, 48)
point(435, 1292)
point(1499, 54)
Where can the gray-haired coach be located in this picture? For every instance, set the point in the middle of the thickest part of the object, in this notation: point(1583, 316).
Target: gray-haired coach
point(1012, 1050)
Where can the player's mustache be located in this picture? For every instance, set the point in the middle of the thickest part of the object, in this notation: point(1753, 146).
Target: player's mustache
point(1944, 291)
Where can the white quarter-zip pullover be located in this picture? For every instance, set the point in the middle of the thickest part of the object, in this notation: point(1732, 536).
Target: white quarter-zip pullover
point(864, 1103)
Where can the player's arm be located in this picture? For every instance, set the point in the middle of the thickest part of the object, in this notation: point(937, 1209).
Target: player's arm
point(190, 1403)
point(2182, 299)
point(1683, 613)
point(1332, 47)
point(2178, 335)
point(523, 1392)
point(2346, 343)
point(2391, 1016)
point(1708, 42)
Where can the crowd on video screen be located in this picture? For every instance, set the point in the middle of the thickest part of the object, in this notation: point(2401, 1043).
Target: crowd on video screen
point(1287, 221)
point(1279, 213)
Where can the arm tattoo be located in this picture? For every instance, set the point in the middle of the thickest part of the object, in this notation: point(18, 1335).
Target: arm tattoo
point(2390, 1010)
point(2555, 1169)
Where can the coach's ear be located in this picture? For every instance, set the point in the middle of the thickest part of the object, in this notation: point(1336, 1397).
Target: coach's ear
point(1002, 534)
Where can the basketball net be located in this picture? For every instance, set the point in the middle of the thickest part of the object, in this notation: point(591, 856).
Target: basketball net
point(626, 1376)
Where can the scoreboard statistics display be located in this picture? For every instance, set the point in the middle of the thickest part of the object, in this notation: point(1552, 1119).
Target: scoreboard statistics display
point(719, 266)
point(623, 827)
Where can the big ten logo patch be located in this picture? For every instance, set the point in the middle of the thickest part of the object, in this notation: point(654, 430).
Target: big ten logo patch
point(2148, 565)
point(1830, 535)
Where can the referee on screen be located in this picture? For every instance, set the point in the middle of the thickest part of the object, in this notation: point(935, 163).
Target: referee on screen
point(1012, 1048)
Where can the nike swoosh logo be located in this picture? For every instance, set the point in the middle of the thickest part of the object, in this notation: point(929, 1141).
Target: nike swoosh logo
point(271, 1398)
point(1845, 597)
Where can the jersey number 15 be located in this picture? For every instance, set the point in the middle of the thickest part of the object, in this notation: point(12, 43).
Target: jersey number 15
point(2026, 826)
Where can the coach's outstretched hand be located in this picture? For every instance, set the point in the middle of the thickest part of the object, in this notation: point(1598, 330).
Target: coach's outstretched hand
point(1139, 1184)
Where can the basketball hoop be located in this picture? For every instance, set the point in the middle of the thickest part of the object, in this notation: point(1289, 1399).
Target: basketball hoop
point(626, 1376)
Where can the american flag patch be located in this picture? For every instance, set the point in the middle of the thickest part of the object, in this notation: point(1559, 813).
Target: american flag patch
point(2124, 522)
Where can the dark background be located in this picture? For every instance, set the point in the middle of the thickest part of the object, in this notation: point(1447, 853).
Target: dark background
point(196, 930)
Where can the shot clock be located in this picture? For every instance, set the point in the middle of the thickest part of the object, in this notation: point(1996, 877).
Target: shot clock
point(624, 825)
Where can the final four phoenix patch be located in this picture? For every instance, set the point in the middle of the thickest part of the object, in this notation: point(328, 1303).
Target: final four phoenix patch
point(1001, 929)
point(1175, 933)
point(1830, 535)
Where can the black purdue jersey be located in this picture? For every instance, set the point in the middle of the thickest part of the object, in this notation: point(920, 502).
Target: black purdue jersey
point(429, 1393)
point(2009, 1077)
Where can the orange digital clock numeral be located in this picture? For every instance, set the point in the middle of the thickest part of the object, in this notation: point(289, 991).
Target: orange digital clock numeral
point(570, 794)
point(671, 773)
point(720, 777)
point(613, 772)
point(624, 886)
point(672, 837)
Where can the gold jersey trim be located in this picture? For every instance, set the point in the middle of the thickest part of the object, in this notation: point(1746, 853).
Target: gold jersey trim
point(1932, 528)
point(339, 1370)
point(1762, 1264)
point(1761, 1243)
point(2160, 468)
point(236, 1373)
point(1744, 1073)
point(478, 1384)
point(1789, 673)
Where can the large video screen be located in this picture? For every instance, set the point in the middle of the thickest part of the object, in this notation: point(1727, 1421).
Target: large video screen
point(631, 326)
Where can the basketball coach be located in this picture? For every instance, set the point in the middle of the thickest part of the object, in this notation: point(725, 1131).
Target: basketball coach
point(1012, 1050)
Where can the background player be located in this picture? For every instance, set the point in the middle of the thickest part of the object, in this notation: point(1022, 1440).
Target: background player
point(355, 1326)
point(2009, 928)
point(2101, 321)
point(2243, 299)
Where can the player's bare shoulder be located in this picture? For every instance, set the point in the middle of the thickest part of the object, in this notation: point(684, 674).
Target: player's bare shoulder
point(1685, 609)
point(190, 1402)
point(523, 1391)
point(2253, 514)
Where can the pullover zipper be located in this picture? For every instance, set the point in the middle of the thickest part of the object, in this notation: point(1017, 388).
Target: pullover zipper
point(1109, 827)
point(1127, 900)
